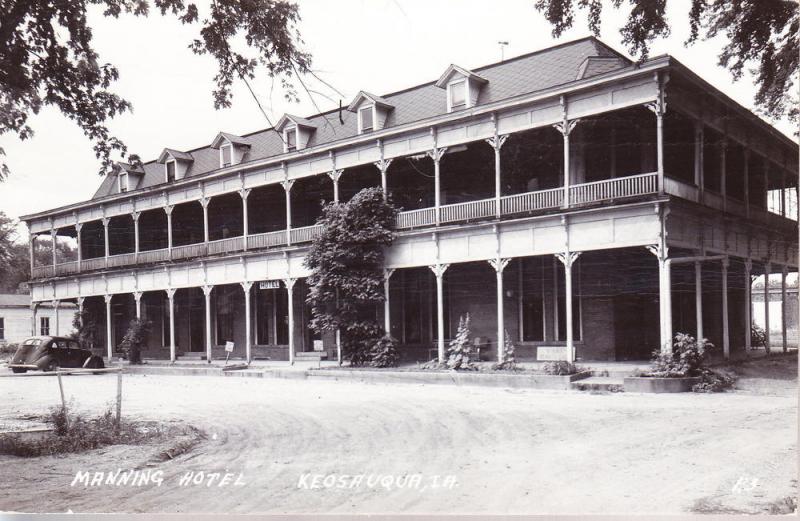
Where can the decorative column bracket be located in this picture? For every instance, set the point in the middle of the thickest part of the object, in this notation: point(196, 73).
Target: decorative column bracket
point(244, 192)
point(387, 273)
point(499, 264)
point(246, 285)
point(287, 185)
point(436, 154)
point(568, 258)
point(566, 126)
point(497, 142)
point(439, 269)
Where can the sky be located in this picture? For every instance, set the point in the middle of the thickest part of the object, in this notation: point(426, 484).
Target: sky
point(376, 45)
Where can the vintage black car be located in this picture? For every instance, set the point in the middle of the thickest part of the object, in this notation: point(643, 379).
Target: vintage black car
point(48, 353)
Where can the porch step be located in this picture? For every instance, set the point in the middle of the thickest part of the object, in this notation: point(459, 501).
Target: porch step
point(599, 383)
point(311, 356)
point(192, 355)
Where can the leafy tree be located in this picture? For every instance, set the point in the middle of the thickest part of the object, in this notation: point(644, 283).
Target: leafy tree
point(509, 362)
point(85, 329)
point(135, 338)
point(762, 34)
point(346, 263)
point(47, 58)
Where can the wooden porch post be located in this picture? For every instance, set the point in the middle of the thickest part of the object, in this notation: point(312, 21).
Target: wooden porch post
point(387, 317)
point(137, 297)
point(34, 309)
point(698, 298)
point(109, 343)
point(207, 292)
point(784, 339)
point(168, 209)
point(289, 282)
point(499, 264)
point(748, 303)
point(664, 294)
point(135, 216)
point(726, 340)
point(204, 202)
point(438, 271)
point(565, 126)
point(767, 270)
point(247, 327)
point(171, 297)
point(56, 304)
point(54, 245)
point(496, 142)
point(32, 248)
point(335, 175)
point(244, 192)
point(287, 187)
point(568, 259)
point(105, 221)
point(436, 154)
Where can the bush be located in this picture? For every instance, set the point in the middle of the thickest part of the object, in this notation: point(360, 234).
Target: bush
point(384, 353)
point(686, 359)
point(758, 337)
point(460, 349)
point(8, 350)
point(134, 339)
point(714, 382)
point(560, 368)
point(74, 433)
point(509, 362)
point(85, 330)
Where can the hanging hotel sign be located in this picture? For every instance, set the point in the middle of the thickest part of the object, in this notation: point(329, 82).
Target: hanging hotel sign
point(269, 284)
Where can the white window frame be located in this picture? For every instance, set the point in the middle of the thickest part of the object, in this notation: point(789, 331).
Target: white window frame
point(123, 186)
point(370, 107)
point(229, 146)
point(174, 170)
point(286, 138)
point(450, 85)
point(42, 322)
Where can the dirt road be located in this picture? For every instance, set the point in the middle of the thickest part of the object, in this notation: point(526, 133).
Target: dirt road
point(510, 451)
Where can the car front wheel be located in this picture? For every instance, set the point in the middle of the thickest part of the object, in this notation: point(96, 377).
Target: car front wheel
point(51, 366)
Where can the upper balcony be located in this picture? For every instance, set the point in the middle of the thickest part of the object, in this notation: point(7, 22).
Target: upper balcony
point(614, 158)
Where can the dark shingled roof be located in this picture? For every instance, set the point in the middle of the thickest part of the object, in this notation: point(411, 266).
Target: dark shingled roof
point(524, 74)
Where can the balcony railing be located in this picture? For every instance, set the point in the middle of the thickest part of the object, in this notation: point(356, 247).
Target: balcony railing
point(460, 212)
point(40, 272)
point(154, 256)
point(618, 188)
point(228, 245)
point(415, 218)
point(93, 264)
point(266, 240)
point(67, 268)
point(305, 234)
point(466, 211)
point(187, 251)
point(124, 259)
point(532, 201)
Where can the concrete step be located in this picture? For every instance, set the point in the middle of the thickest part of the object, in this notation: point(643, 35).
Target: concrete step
point(192, 355)
point(311, 355)
point(599, 383)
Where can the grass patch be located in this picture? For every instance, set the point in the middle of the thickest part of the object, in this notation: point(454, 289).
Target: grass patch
point(74, 433)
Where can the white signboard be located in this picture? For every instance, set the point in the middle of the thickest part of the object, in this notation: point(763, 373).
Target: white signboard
point(269, 284)
point(229, 347)
point(317, 345)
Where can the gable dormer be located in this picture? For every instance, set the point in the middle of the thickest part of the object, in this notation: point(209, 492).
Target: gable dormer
point(371, 111)
point(128, 176)
point(231, 148)
point(176, 163)
point(463, 87)
point(296, 132)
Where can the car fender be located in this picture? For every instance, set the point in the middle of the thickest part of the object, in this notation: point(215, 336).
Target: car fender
point(43, 361)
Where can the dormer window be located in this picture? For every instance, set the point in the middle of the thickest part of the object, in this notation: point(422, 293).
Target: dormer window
point(372, 111)
point(290, 138)
point(366, 121)
point(463, 87)
point(170, 168)
point(457, 92)
point(225, 155)
point(123, 182)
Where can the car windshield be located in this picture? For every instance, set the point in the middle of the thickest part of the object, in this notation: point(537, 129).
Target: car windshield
point(32, 342)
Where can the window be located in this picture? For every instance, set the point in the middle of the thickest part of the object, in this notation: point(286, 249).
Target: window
point(291, 139)
point(2, 328)
point(458, 95)
point(366, 121)
point(225, 155)
point(44, 326)
point(170, 165)
point(123, 182)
